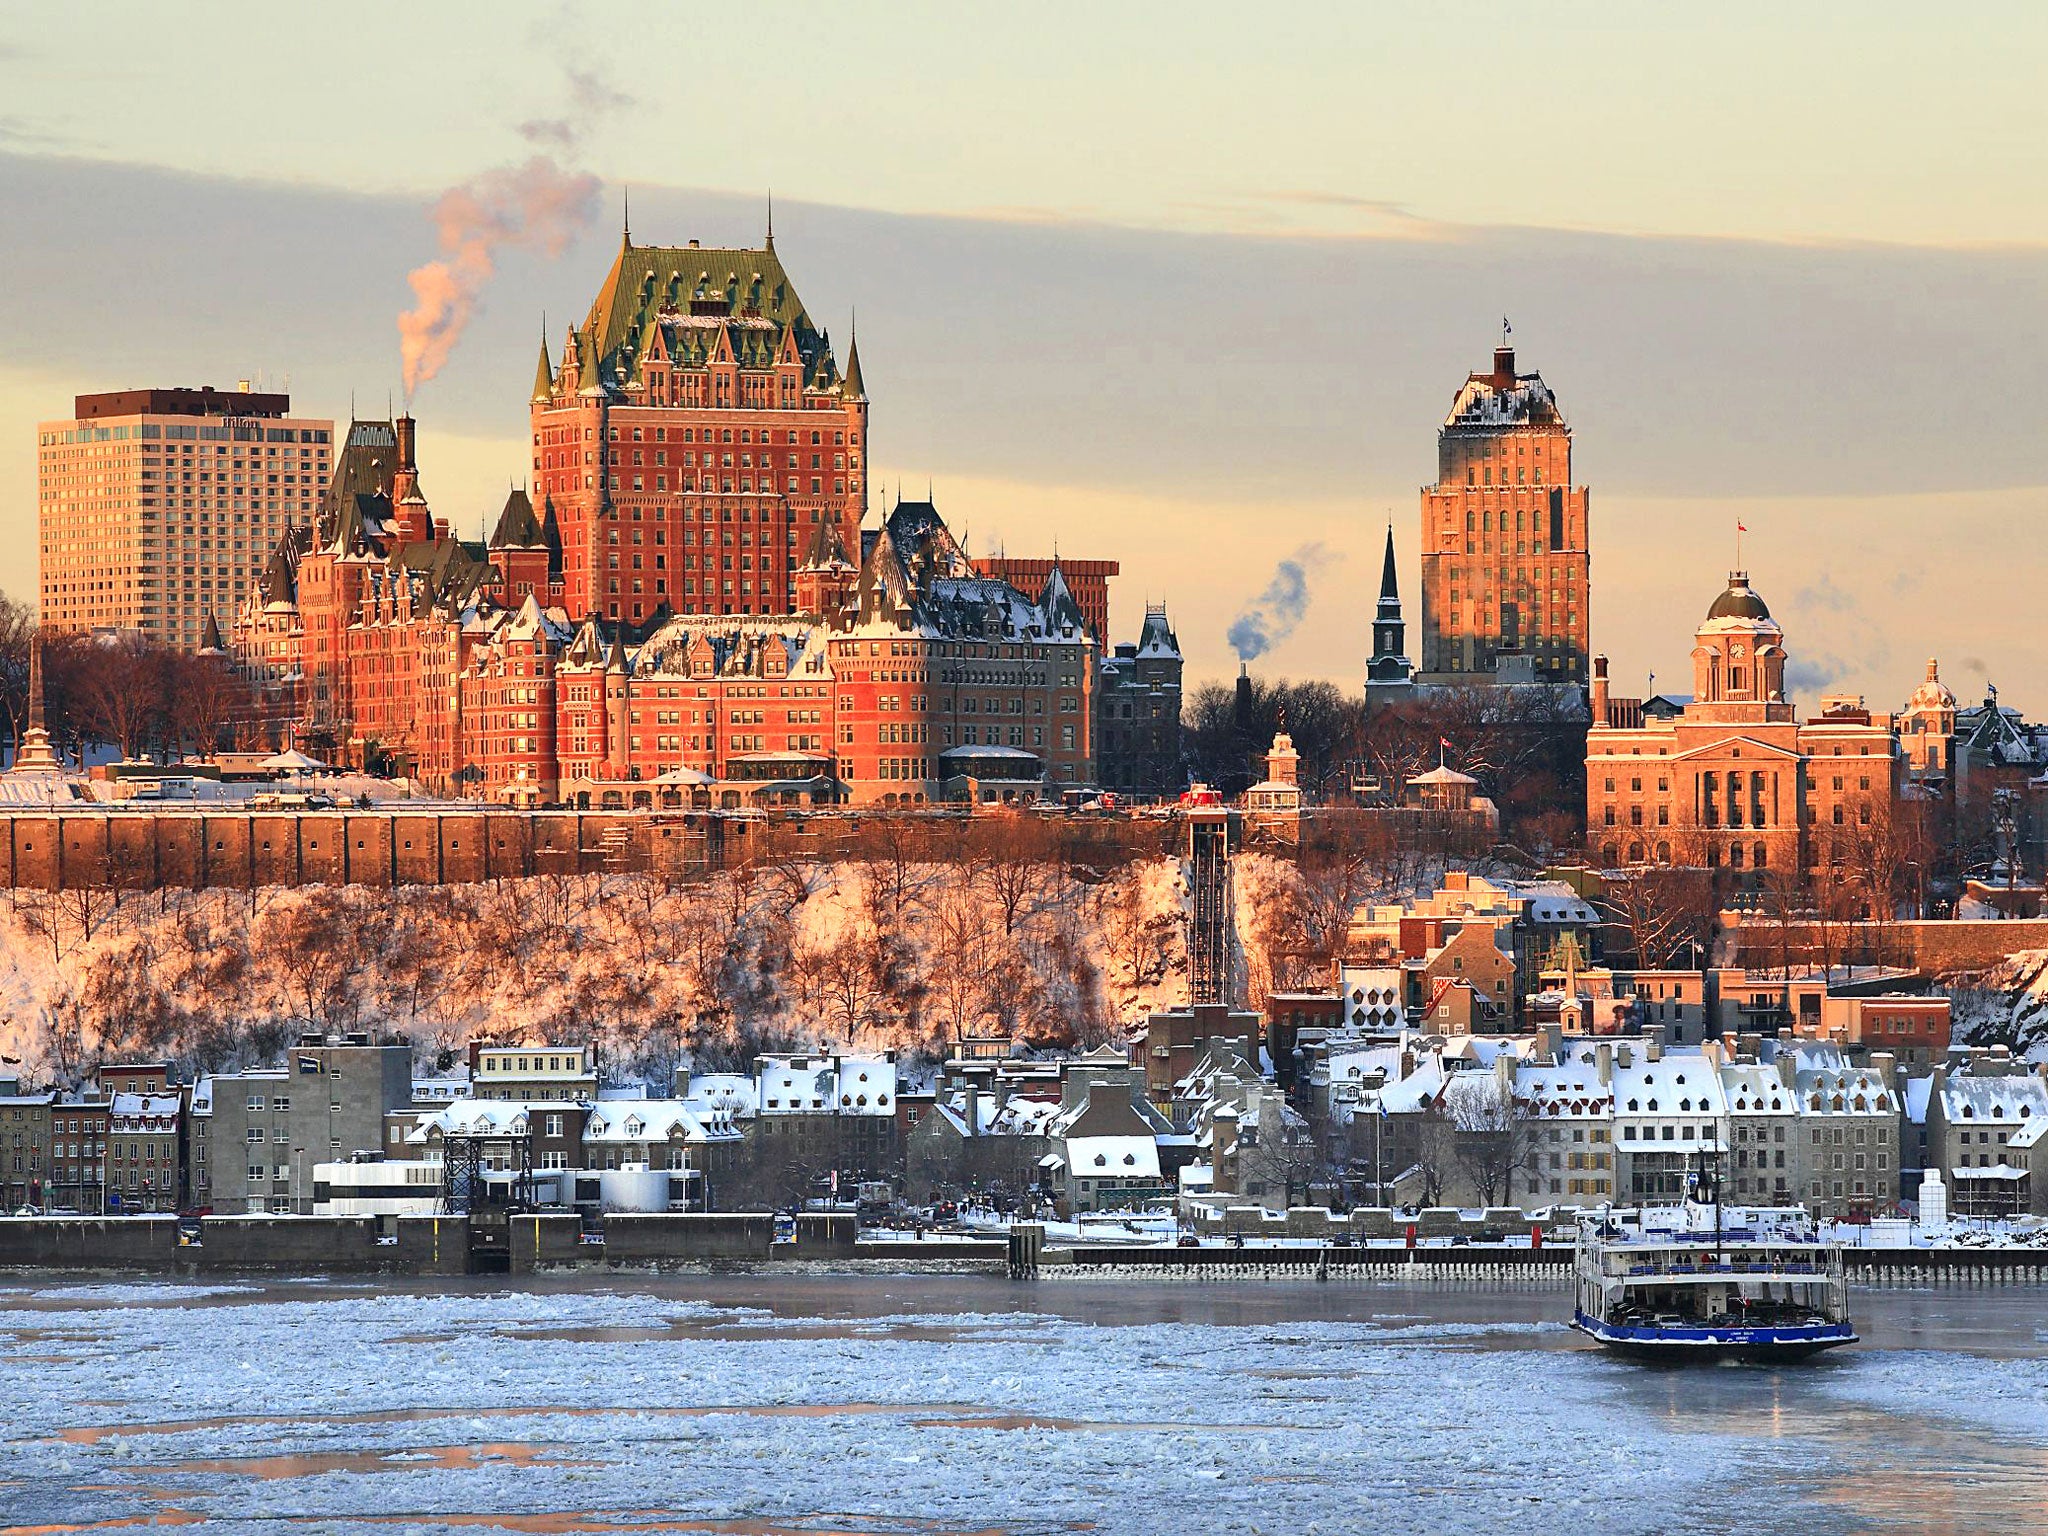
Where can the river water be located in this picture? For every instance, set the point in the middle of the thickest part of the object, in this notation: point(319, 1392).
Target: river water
point(802, 1402)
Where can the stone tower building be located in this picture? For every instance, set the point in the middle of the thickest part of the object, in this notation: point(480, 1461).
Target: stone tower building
point(1505, 565)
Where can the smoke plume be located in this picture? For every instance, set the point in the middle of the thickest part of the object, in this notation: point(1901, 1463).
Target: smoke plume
point(537, 206)
point(1274, 613)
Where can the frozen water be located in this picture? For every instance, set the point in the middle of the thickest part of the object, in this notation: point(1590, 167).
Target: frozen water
point(960, 1403)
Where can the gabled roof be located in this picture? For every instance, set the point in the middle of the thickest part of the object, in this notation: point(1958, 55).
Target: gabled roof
point(697, 305)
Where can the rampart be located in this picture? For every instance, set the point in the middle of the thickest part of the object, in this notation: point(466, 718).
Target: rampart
point(84, 847)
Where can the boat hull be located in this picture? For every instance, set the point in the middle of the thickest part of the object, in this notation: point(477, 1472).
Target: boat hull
point(1678, 1345)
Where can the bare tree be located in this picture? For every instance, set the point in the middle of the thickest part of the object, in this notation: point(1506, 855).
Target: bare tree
point(1669, 912)
point(1493, 1139)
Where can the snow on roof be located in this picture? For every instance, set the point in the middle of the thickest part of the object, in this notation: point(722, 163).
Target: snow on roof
point(1023, 1117)
point(1678, 1084)
point(1918, 1090)
point(138, 1105)
point(474, 1117)
point(2001, 1171)
point(2031, 1134)
point(1571, 1090)
point(854, 1085)
point(732, 1093)
point(646, 1121)
point(1753, 1089)
point(1844, 1090)
point(1413, 1093)
point(1112, 1157)
point(1965, 1097)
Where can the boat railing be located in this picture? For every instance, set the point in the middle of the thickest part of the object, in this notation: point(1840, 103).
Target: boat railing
point(1635, 1271)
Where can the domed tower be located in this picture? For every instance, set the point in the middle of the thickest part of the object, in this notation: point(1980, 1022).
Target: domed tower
point(1738, 665)
point(1928, 726)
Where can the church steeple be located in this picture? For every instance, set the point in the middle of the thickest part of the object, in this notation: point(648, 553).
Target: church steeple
point(1389, 670)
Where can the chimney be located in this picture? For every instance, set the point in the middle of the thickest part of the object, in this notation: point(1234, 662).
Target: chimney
point(1244, 699)
point(1503, 367)
point(405, 425)
point(1599, 701)
point(1653, 1045)
point(1885, 1065)
point(1603, 1061)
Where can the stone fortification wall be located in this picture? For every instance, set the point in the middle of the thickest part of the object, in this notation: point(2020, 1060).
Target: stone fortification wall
point(144, 849)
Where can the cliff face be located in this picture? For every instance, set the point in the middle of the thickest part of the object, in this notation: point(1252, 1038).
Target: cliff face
point(2006, 1005)
point(873, 951)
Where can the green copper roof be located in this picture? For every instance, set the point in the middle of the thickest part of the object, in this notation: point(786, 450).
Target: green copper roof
point(704, 301)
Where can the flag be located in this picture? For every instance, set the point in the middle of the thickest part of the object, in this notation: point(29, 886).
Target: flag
point(1444, 742)
point(1740, 526)
point(1506, 330)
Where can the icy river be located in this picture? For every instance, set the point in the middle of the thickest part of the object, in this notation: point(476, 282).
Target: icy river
point(878, 1404)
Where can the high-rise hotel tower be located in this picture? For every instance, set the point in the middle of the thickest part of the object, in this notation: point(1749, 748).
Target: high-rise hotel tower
point(1505, 567)
point(156, 509)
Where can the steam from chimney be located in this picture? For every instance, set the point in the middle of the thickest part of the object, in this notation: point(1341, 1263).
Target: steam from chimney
point(535, 206)
point(1274, 613)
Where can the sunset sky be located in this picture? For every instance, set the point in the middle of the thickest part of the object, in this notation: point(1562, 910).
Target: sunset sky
point(1189, 286)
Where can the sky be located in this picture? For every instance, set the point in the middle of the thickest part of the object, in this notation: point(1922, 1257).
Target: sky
point(1185, 286)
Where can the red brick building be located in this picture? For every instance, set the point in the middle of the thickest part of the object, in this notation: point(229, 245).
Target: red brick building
point(692, 433)
point(687, 600)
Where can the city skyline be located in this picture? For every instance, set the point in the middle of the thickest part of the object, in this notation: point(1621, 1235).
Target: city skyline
point(1846, 386)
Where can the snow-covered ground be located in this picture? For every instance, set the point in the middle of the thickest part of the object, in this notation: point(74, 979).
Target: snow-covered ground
point(979, 1406)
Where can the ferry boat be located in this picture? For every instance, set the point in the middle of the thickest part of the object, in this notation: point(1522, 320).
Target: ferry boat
point(1695, 1282)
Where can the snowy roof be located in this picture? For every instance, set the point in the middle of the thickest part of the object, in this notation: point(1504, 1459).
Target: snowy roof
point(1570, 1090)
point(1112, 1157)
point(293, 761)
point(1844, 1090)
point(1918, 1090)
point(645, 1121)
point(1757, 1090)
point(1678, 1084)
point(139, 1106)
point(732, 1093)
point(1413, 1093)
point(1964, 1097)
point(859, 1085)
point(1490, 400)
point(475, 1117)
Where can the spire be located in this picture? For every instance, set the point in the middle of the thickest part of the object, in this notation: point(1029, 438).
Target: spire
point(771, 220)
point(1388, 672)
point(210, 641)
point(626, 217)
point(851, 385)
point(543, 374)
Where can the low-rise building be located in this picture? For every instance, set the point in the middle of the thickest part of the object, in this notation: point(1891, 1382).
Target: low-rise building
point(145, 1169)
point(1849, 1122)
point(1973, 1117)
point(25, 1136)
point(268, 1128)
